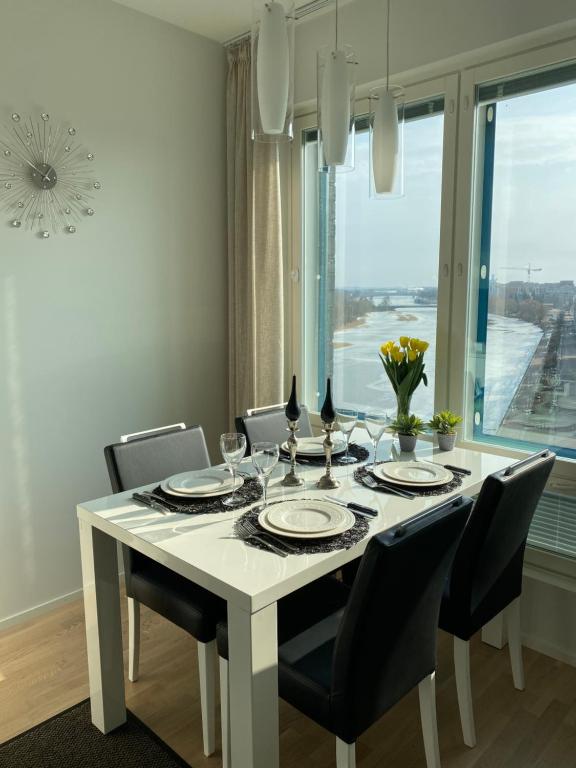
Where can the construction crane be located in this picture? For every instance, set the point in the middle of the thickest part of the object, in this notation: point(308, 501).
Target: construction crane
point(528, 269)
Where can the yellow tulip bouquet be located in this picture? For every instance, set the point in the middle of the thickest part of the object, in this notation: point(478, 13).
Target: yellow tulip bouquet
point(404, 366)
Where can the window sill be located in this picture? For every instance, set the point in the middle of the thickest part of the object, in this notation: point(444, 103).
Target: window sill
point(563, 474)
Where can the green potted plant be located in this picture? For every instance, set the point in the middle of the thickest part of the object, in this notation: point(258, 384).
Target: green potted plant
point(407, 426)
point(444, 424)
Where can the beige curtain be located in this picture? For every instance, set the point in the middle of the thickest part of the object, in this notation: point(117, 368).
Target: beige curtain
point(255, 250)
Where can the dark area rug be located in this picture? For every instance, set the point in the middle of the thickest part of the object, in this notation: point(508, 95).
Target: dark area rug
point(69, 740)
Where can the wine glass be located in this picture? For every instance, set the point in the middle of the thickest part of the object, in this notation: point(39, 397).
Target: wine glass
point(264, 458)
point(375, 425)
point(347, 422)
point(233, 448)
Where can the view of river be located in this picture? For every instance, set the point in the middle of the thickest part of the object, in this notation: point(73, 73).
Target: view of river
point(360, 380)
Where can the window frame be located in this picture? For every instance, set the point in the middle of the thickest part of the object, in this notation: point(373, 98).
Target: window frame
point(422, 90)
point(467, 233)
point(543, 48)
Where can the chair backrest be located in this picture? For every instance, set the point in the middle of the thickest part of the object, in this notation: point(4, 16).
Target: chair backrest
point(270, 424)
point(153, 456)
point(488, 564)
point(386, 642)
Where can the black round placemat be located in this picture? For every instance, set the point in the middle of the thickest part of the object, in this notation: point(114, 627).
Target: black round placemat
point(436, 490)
point(251, 491)
point(307, 546)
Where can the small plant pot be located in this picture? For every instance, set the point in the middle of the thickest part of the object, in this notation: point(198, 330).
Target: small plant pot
point(446, 442)
point(407, 443)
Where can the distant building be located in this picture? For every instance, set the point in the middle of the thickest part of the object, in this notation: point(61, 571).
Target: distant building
point(559, 295)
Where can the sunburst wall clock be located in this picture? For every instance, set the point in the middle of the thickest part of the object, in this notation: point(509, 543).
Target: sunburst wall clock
point(47, 182)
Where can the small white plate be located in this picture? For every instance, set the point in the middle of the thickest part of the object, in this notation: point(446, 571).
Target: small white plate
point(413, 473)
point(300, 512)
point(314, 446)
point(201, 481)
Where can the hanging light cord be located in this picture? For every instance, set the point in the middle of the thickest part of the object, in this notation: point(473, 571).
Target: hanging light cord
point(387, 47)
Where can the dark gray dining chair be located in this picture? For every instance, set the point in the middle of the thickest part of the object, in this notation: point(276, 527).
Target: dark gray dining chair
point(486, 576)
point(347, 654)
point(269, 424)
point(141, 459)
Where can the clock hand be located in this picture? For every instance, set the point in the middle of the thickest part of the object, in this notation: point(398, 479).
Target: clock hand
point(34, 167)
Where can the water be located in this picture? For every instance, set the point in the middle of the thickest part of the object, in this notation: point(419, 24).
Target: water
point(361, 382)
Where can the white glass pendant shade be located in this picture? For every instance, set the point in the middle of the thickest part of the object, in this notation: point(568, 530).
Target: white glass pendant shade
point(272, 71)
point(335, 109)
point(336, 96)
point(386, 142)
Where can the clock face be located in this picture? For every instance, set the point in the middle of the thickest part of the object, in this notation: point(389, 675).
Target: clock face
point(44, 176)
point(47, 182)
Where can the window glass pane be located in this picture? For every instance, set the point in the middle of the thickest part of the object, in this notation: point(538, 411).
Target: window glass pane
point(375, 269)
point(525, 352)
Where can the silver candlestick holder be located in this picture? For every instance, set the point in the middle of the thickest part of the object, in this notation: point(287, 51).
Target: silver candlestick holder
point(327, 482)
point(291, 479)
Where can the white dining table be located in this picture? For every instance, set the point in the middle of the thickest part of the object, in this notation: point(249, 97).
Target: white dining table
point(203, 548)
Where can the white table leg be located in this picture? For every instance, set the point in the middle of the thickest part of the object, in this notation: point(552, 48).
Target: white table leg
point(253, 674)
point(103, 627)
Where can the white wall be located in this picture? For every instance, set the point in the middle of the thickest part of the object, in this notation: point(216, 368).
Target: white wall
point(549, 619)
point(422, 32)
point(121, 326)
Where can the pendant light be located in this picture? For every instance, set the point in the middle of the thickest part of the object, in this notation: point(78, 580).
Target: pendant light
point(387, 134)
point(272, 70)
point(336, 96)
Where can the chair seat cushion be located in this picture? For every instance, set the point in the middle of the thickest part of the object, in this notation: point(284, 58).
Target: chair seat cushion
point(305, 670)
point(300, 610)
point(308, 621)
point(183, 602)
point(463, 617)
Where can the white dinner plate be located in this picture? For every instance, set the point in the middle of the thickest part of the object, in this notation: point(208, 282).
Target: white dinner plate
point(201, 481)
point(306, 519)
point(413, 473)
point(201, 484)
point(314, 446)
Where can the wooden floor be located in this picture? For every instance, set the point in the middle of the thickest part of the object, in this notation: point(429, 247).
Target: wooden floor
point(43, 671)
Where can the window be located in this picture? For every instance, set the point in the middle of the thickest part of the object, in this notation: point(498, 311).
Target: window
point(371, 266)
point(523, 304)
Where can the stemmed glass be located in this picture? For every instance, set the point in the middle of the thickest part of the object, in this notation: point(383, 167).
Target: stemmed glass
point(233, 448)
point(264, 458)
point(347, 422)
point(376, 423)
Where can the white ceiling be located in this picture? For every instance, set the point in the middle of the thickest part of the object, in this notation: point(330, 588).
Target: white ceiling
point(220, 20)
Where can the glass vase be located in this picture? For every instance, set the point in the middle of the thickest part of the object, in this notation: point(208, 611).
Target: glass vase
point(403, 404)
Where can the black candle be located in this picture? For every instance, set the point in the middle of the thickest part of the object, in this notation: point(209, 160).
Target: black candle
point(292, 407)
point(328, 414)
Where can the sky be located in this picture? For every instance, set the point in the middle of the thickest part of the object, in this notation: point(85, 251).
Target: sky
point(384, 243)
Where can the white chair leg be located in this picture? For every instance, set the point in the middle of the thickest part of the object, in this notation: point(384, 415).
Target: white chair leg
point(207, 674)
point(133, 639)
point(224, 713)
point(427, 695)
point(515, 643)
point(345, 754)
point(464, 690)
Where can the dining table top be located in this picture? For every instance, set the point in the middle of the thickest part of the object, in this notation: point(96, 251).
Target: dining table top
point(204, 548)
